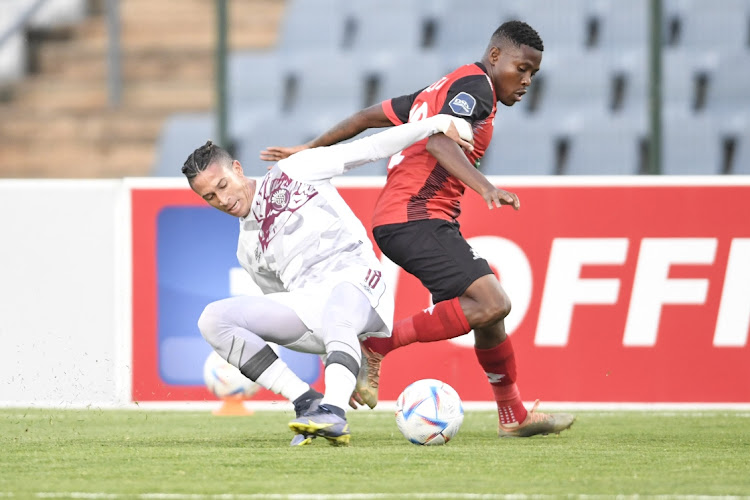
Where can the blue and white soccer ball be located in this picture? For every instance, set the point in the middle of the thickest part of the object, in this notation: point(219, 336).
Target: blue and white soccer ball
point(225, 380)
point(429, 412)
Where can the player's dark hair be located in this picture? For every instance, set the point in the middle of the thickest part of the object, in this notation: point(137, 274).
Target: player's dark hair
point(201, 158)
point(518, 33)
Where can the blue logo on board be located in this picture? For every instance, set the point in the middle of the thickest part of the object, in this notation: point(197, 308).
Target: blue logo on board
point(196, 251)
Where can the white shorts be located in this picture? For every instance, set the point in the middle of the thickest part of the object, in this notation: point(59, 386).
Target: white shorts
point(308, 302)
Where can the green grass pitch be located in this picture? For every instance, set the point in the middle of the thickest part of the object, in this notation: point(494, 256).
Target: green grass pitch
point(195, 455)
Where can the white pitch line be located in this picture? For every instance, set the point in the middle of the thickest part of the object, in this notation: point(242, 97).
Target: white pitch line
point(367, 496)
point(386, 406)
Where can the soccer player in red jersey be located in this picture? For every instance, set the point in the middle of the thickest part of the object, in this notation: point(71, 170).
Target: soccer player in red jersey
point(414, 221)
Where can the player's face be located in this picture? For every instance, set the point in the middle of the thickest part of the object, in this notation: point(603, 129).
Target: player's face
point(225, 188)
point(512, 69)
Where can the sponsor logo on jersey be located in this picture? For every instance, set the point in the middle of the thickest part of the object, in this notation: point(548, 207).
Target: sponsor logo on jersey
point(463, 104)
point(280, 199)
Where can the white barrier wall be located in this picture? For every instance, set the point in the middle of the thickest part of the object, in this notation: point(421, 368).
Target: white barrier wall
point(61, 311)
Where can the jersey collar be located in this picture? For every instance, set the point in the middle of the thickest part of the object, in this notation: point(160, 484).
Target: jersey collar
point(489, 80)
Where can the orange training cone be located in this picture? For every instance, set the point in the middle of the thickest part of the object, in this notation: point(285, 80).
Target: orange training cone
point(232, 405)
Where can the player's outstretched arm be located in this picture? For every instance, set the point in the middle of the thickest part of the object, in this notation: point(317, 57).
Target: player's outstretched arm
point(390, 142)
point(372, 117)
point(450, 156)
point(319, 164)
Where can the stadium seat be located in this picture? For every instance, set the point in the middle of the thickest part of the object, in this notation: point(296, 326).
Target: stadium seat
point(329, 83)
point(407, 73)
point(181, 134)
point(520, 146)
point(313, 26)
point(585, 88)
point(13, 51)
point(466, 29)
point(630, 65)
point(623, 25)
point(390, 25)
point(705, 24)
point(741, 163)
point(728, 96)
point(274, 131)
point(255, 79)
point(271, 131)
point(561, 25)
point(687, 78)
point(323, 82)
point(606, 146)
point(256, 87)
point(691, 144)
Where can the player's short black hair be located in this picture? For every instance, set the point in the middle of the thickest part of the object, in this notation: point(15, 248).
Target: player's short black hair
point(518, 33)
point(201, 158)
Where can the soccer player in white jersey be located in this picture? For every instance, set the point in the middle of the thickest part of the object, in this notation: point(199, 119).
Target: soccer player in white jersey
point(313, 261)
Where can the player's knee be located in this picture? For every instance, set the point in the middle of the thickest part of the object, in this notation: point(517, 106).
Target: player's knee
point(209, 322)
point(495, 307)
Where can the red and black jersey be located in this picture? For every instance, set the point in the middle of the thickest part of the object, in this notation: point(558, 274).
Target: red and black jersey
point(417, 186)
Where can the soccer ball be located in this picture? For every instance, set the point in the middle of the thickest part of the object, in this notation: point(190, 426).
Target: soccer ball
point(429, 412)
point(225, 380)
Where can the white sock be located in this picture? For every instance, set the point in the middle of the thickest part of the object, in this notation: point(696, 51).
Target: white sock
point(278, 378)
point(340, 383)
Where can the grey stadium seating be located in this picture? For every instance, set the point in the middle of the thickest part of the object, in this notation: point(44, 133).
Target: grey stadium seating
point(312, 26)
point(520, 146)
point(587, 109)
point(607, 145)
point(691, 144)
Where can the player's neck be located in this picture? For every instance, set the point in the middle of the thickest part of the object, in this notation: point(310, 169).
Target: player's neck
point(250, 186)
point(485, 65)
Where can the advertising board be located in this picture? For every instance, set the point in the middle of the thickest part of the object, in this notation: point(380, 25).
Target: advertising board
point(635, 292)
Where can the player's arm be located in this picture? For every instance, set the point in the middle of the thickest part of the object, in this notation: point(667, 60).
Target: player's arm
point(472, 98)
point(452, 158)
point(372, 117)
point(390, 112)
point(319, 164)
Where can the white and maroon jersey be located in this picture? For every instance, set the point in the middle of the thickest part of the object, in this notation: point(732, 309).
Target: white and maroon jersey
point(300, 232)
point(301, 235)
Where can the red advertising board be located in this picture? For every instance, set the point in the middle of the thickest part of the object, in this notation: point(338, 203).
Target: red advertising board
point(629, 293)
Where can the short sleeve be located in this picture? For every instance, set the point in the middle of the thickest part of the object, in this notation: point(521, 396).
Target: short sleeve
point(397, 109)
point(470, 97)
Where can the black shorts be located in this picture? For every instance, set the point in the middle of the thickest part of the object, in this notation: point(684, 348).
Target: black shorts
point(434, 251)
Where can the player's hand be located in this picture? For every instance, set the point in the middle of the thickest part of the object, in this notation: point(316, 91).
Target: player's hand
point(499, 197)
point(276, 153)
point(453, 134)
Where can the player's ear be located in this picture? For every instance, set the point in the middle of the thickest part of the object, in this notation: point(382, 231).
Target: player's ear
point(494, 54)
point(237, 167)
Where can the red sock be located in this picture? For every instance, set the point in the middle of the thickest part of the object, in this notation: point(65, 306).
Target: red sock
point(499, 363)
point(445, 320)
